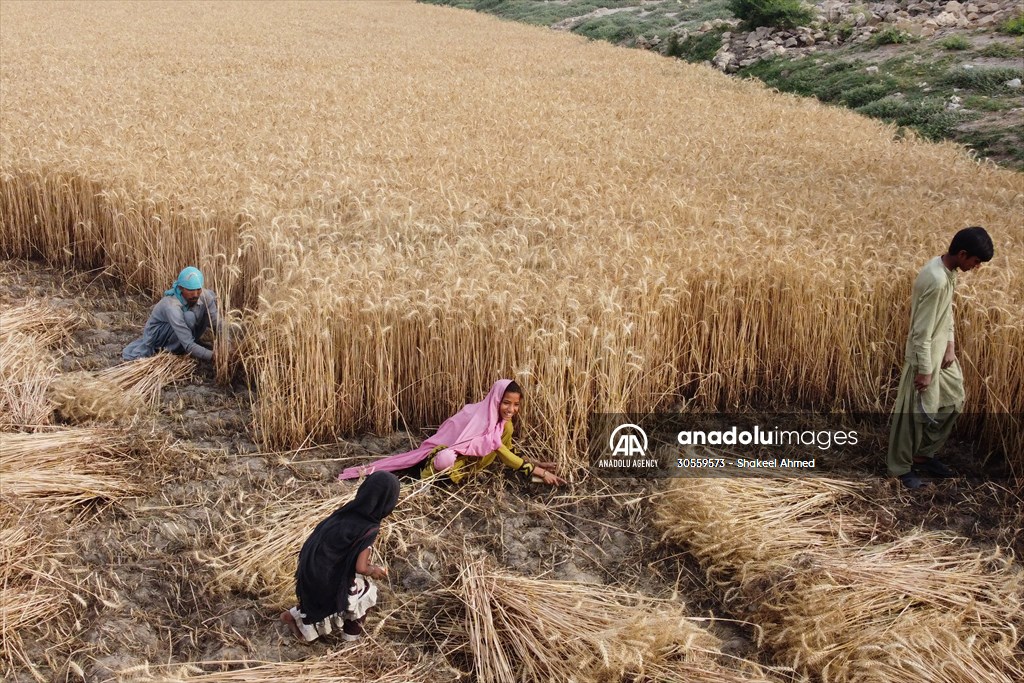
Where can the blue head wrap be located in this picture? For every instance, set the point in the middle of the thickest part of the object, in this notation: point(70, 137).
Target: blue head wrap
point(188, 278)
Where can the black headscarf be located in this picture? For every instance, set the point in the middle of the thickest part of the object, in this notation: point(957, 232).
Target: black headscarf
point(327, 561)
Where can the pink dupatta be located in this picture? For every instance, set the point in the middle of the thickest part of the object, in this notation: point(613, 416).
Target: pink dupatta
point(475, 430)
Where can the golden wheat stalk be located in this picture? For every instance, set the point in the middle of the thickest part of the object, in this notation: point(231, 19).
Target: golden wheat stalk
point(524, 629)
point(65, 467)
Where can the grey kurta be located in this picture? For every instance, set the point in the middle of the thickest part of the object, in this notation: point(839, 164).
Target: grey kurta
point(914, 433)
point(172, 328)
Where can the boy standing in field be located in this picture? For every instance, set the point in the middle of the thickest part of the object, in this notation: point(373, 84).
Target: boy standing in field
point(931, 393)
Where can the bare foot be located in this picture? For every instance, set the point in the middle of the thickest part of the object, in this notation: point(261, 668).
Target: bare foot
point(286, 617)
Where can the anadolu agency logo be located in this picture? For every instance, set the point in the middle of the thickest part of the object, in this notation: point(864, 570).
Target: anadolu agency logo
point(628, 444)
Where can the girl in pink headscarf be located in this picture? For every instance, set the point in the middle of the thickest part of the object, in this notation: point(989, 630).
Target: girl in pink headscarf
point(468, 442)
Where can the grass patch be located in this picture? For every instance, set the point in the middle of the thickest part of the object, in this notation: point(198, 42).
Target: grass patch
point(895, 93)
point(695, 48)
point(891, 35)
point(983, 80)
point(867, 93)
point(983, 103)
point(1013, 26)
point(955, 43)
point(533, 12)
point(928, 117)
point(1002, 50)
point(1003, 145)
point(780, 13)
point(703, 11)
point(624, 27)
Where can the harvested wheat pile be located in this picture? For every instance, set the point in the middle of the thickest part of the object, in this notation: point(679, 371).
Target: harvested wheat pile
point(36, 317)
point(27, 370)
point(117, 393)
point(27, 367)
point(922, 608)
point(834, 601)
point(65, 467)
point(40, 594)
point(730, 522)
point(531, 630)
point(353, 664)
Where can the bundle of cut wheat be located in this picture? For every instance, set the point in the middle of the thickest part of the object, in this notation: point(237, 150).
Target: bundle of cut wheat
point(119, 392)
point(524, 629)
point(35, 591)
point(39, 318)
point(145, 378)
point(65, 467)
point(835, 602)
point(730, 522)
point(356, 664)
point(27, 370)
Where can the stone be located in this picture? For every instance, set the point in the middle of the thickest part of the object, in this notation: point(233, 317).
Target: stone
point(990, 8)
point(987, 20)
point(832, 10)
point(946, 19)
point(792, 42)
point(954, 103)
point(1013, 84)
point(871, 69)
point(972, 8)
point(953, 7)
point(723, 59)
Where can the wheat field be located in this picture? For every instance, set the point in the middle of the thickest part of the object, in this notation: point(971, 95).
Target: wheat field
point(405, 202)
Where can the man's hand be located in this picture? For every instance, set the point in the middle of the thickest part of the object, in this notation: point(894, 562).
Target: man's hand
point(949, 357)
point(922, 382)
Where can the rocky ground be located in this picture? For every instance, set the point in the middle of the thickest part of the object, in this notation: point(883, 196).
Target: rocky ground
point(153, 560)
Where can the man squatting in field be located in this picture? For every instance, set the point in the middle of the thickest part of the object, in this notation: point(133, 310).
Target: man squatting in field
point(931, 393)
point(181, 317)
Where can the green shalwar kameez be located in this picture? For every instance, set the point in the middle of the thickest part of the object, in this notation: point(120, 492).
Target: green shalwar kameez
point(920, 426)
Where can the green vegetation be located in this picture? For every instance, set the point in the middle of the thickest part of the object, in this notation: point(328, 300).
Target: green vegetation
point(890, 35)
point(702, 11)
point(897, 92)
point(1004, 144)
point(623, 27)
point(533, 12)
point(928, 116)
point(955, 43)
point(983, 103)
point(696, 48)
point(650, 20)
point(1002, 50)
point(1014, 26)
point(983, 80)
point(780, 13)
